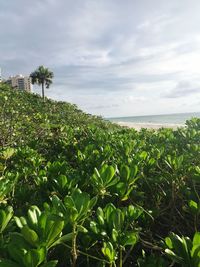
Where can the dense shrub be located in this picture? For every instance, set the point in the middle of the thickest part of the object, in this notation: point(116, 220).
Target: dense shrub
point(76, 190)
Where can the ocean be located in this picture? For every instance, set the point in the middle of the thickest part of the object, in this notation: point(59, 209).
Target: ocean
point(179, 118)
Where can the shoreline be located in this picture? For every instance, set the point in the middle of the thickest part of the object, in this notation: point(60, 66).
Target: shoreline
point(154, 126)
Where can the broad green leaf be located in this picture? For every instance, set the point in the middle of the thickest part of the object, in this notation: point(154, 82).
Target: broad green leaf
point(196, 239)
point(93, 202)
point(108, 210)
point(69, 203)
point(173, 256)
point(17, 247)
point(2, 219)
point(133, 212)
point(168, 242)
point(54, 231)
point(42, 221)
point(125, 172)
point(130, 238)
point(143, 155)
point(134, 170)
point(5, 217)
point(8, 263)
point(33, 215)
point(193, 206)
point(20, 221)
point(115, 235)
point(109, 251)
point(62, 239)
point(34, 257)
point(82, 229)
point(94, 227)
point(121, 188)
point(116, 220)
point(107, 173)
point(30, 236)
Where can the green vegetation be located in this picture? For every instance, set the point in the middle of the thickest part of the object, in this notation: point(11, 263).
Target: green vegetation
point(76, 190)
point(42, 76)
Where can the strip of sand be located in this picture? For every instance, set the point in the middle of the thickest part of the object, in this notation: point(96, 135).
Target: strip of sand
point(155, 126)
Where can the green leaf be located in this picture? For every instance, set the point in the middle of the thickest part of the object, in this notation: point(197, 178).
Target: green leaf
point(121, 188)
point(61, 181)
point(93, 202)
point(34, 257)
point(19, 222)
point(143, 155)
point(8, 153)
point(173, 256)
point(108, 174)
point(131, 239)
point(125, 172)
point(82, 229)
point(100, 216)
point(108, 211)
point(116, 220)
point(196, 239)
point(96, 177)
point(114, 235)
point(69, 203)
point(17, 247)
point(133, 212)
point(54, 231)
point(168, 242)
point(193, 207)
point(81, 200)
point(109, 251)
point(62, 239)
point(5, 217)
point(30, 236)
point(94, 227)
point(50, 264)
point(33, 215)
point(42, 221)
point(8, 263)
point(134, 170)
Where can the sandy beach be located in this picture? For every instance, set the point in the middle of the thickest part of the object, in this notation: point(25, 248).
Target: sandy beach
point(139, 126)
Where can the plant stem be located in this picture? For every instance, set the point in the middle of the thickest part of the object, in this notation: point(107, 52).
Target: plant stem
point(74, 250)
point(120, 257)
point(88, 255)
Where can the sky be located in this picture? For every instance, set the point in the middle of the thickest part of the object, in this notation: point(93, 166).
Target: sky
point(110, 57)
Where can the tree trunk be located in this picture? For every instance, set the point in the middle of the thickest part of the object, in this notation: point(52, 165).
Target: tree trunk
point(43, 91)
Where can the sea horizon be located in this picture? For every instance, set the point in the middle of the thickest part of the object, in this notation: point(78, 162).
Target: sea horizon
point(173, 118)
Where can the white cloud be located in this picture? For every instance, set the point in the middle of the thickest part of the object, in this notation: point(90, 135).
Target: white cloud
point(110, 56)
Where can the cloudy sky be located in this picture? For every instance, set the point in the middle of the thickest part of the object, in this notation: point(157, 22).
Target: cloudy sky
point(110, 57)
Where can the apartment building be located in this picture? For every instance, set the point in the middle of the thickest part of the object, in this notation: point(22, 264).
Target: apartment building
point(20, 82)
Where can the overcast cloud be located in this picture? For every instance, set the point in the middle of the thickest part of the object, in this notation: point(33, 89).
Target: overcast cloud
point(110, 57)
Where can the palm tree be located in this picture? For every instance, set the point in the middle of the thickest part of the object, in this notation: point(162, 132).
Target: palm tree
point(42, 76)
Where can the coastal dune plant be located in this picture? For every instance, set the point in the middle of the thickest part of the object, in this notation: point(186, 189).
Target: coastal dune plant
point(116, 229)
point(105, 195)
point(42, 76)
point(75, 210)
point(183, 250)
point(39, 232)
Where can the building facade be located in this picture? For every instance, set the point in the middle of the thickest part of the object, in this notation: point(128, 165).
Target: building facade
point(20, 82)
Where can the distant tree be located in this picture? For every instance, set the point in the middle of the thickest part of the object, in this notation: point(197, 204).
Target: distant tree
point(42, 76)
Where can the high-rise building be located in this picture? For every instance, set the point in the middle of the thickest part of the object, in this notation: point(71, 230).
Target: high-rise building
point(20, 82)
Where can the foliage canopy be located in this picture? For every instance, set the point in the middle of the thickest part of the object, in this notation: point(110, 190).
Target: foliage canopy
point(76, 190)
